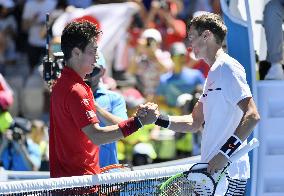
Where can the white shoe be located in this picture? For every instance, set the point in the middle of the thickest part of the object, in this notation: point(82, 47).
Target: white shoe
point(275, 72)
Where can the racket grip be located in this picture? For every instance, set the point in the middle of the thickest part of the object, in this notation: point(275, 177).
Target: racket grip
point(250, 146)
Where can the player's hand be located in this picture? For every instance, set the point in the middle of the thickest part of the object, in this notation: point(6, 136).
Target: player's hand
point(147, 113)
point(218, 162)
point(142, 109)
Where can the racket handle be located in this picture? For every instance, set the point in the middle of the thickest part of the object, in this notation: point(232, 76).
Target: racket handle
point(250, 146)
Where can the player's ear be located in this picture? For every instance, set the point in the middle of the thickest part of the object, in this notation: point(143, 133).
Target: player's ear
point(76, 51)
point(206, 34)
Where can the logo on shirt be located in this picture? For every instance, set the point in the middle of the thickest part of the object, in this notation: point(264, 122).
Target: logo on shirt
point(210, 90)
point(86, 101)
point(90, 114)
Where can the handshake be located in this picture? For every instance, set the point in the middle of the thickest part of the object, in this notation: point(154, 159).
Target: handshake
point(147, 113)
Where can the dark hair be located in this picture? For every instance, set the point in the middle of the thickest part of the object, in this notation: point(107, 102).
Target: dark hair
point(211, 22)
point(78, 34)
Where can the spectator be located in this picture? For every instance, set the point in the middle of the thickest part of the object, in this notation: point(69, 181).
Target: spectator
point(111, 109)
point(180, 80)
point(17, 151)
point(39, 136)
point(149, 62)
point(273, 17)
point(8, 28)
point(34, 15)
point(163, 18)
point(21, 37)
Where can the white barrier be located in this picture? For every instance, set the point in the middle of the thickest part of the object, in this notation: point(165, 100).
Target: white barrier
point(270, 174)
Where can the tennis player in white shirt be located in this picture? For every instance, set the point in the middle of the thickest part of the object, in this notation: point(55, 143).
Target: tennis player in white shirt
point(226, 112)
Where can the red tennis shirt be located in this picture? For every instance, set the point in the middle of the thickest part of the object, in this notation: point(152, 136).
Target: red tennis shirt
point(71, 152)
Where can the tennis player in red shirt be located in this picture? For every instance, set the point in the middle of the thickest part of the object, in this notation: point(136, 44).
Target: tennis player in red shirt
point(75, 133)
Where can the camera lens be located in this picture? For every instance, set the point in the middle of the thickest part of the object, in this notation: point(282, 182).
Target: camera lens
point(150, 41)
point(16, 135)
point(47, 70)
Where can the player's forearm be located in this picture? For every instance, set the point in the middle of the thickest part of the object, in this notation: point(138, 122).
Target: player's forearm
point(244, 129)
point(103, 135)
point(247, 124)
point(249, 120)
point(184, 124)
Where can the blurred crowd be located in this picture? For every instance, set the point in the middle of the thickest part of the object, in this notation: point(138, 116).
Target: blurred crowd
point(154, 65)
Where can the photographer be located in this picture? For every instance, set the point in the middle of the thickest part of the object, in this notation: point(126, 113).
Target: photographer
point(17, 151)
point(149, 62)
point(162, 16)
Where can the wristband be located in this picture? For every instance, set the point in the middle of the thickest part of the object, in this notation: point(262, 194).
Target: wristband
point(163, 121)
point(230, 146)
point(129, 126)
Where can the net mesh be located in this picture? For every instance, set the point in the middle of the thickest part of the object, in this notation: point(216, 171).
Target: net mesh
point(139, 182)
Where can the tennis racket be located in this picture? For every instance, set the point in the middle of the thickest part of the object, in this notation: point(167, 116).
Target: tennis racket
point(114, 190)
point(115, 168)
point(197, 181)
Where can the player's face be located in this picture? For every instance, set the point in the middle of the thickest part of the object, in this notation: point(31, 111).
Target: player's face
point(89, 58)
point(196, 42)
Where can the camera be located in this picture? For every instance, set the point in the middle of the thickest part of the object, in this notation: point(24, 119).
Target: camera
point(19, 128)
point(17, 134)
point(150, 41)
point(52, 69)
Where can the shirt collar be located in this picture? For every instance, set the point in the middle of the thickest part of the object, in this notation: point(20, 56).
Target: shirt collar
point(72, 74)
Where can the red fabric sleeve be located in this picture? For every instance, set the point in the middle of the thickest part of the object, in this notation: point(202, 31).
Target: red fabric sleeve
point(81, 106)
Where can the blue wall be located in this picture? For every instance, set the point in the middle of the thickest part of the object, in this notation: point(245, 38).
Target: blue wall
point(238, 46)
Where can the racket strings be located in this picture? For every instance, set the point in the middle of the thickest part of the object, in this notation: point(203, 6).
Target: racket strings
point(184, 187)
point(115, 168)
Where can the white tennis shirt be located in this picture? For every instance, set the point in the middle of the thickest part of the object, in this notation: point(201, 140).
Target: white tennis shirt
point(224, 87)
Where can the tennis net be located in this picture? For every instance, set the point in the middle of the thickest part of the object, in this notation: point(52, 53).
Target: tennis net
point(139, 182)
